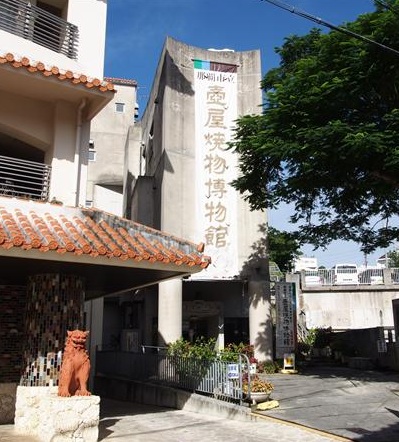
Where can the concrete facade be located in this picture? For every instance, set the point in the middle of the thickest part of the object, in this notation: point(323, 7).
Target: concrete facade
point(46, 120)
point(355, 309)
point(166, 188)
point(109, 138)
point(346, 307)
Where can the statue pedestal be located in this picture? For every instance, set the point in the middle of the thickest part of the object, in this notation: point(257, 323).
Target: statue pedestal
point(42, 413)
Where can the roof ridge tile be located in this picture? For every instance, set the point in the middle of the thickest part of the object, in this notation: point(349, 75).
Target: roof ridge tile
point(33, 66)
point(93, 233)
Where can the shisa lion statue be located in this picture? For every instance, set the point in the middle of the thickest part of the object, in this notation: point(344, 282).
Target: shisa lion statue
point(75, 367)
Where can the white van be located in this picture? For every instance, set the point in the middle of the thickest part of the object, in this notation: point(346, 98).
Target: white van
point(345, 274)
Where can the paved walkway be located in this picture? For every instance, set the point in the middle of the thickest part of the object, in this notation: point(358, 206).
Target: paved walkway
point(128, 422)
point(131, 422)
point(321, 404)
point(359, 405)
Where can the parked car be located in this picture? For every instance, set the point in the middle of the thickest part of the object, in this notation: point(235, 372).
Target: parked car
point(345, 274)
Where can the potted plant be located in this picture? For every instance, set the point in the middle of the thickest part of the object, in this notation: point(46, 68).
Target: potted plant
point(260, 389)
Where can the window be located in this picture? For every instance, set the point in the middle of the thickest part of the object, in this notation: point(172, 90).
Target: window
point(92, 155)
point(88, 203)
point(120, 107)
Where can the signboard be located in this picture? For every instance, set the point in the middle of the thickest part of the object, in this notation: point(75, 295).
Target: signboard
point(289, 361)
point(233, 371)
point(285, 318)
point(216, 166)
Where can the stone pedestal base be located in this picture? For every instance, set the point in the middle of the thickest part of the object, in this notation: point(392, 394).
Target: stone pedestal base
point(42, 413)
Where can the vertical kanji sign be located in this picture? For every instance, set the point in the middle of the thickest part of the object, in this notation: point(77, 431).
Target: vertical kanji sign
point(285, 318)
point(216, 166)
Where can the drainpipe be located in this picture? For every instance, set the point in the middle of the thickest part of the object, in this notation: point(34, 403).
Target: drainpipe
point(78, 149)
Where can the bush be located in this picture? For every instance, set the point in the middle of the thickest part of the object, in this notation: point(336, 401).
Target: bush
point(232, 351)
point(269, 367)
point(201, 348)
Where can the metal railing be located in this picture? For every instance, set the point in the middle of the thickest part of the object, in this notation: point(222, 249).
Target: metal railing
point(215, 378)
point(24, 179)
point(35, 24)
point(371, 276)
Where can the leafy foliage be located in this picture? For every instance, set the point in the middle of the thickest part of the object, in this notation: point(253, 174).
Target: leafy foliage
point(328, 139)
point(283, 248)
point(393, 259)
point(204, 349)
point(257, 385)
point(201, 348)
point(232, 351)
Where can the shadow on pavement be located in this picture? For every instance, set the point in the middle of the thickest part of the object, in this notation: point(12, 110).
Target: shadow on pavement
point(111, 412)
point(360, 405)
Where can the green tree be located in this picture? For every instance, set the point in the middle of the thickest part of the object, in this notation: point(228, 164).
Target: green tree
point(393, 259)
point(283, 248)
point(327, 142)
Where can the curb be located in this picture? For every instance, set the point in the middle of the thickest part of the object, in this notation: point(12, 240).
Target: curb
point(302, 427)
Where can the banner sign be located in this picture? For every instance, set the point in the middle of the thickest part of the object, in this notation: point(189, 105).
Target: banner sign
point(215, 112)
point(285, 318)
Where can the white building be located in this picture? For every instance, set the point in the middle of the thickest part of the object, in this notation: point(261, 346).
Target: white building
point(109, 138)
point(305, 263)
point(182, 171)
point(54, 254)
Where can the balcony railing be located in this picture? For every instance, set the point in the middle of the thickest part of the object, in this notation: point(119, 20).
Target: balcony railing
point(35, 24)
point(362, 277)
point(24, 179)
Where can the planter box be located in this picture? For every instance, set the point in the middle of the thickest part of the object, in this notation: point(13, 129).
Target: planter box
point(259, 396)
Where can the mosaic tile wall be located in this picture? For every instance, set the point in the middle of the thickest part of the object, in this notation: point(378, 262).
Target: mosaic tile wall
point(54, 305)
point(12, 305)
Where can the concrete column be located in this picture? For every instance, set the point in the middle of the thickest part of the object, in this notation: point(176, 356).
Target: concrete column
point(94, 324)
point(54, 305)
point(387, 276)
point(170, 305)
point(260, 319)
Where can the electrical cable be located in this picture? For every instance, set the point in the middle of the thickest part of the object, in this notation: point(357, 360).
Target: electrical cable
point(386, 6)
point(320, 21)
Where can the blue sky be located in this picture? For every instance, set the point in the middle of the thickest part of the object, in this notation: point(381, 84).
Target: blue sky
point(136, 31)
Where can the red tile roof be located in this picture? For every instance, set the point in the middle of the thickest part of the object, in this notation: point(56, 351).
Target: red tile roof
point(37, 67)
point(51, 228)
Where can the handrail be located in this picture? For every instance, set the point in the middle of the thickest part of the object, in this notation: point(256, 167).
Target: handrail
point(35, 24)
point(24, 178)
point(361, 277)
point(214, 377)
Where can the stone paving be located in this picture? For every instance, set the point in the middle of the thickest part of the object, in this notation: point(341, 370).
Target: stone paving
point(320, 404)
point(358, 405)
point(7, 434)
point(131, 422)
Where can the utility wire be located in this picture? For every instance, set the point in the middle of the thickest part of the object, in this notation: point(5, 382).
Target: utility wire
point(387, 6)
point(320, 21)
